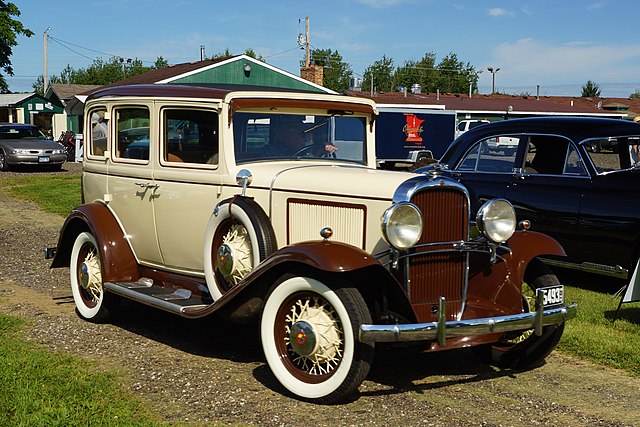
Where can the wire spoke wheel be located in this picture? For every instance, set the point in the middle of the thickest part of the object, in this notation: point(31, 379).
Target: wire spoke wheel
point(92, 302)
point(309, 335)
point(312, 337)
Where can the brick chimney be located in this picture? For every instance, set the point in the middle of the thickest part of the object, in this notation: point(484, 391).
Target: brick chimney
point(313, 73)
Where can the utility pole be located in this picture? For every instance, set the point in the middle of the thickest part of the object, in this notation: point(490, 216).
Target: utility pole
point(46, 72)
point(307, 43)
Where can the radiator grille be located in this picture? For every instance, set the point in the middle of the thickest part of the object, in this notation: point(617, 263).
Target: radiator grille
point(433, 274)
point(308, 217)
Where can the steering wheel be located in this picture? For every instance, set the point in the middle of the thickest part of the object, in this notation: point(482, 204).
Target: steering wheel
point(309, 151)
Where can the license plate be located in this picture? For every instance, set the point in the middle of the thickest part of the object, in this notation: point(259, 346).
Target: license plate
point(553, 295)
point(44, 159)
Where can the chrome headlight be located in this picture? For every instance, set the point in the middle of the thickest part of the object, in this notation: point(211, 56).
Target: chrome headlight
point(402, 225)
point(496, 220)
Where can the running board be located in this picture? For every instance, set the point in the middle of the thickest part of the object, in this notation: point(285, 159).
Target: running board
point(176, 301)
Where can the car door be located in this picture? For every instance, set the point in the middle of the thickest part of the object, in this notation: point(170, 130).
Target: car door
point(188, 179)
point(549, 186)
point(610, 212)
point(131, 186)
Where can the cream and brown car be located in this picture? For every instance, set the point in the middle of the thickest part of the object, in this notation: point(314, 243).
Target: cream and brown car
point(267, 206)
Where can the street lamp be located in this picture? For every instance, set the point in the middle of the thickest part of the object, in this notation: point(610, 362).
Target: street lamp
point(493, 76)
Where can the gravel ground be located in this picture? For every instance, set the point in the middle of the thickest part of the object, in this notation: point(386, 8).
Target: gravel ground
point(209, 371)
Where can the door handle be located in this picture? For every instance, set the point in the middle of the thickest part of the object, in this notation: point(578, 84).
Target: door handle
point(146, 185)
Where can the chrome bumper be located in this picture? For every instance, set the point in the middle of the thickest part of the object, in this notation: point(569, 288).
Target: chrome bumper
point(441, 330)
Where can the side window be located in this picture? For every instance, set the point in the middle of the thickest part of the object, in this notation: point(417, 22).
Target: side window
point(547, 155)
point(496, 154)
point(574, 165)
point(98, 133)
point(132, 128)
point(190, 136)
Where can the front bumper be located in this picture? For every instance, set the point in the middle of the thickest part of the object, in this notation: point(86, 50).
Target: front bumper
point(441, 330)
point(35, 159)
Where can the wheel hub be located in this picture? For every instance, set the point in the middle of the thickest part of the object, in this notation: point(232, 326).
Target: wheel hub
point(85, 275)
point(225, 260)
point(303, 338)
point(234, 258)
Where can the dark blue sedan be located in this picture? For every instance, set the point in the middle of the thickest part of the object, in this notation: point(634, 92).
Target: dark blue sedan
point(589, 200)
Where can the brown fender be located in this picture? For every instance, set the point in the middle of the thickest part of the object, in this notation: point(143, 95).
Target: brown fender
point(527, 245)
point(326, 257)
point(498, 287)
point(118, 262)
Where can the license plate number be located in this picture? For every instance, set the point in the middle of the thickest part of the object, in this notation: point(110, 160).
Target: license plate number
point(553, 295)
point(44, 159)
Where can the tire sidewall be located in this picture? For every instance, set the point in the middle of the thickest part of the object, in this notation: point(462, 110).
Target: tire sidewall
point(85, 311)
point(274, 300)
point(241, 216)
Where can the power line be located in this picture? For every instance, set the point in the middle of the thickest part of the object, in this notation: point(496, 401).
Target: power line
point(63, 43)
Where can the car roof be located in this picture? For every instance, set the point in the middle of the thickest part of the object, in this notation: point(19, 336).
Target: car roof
point(575, 128)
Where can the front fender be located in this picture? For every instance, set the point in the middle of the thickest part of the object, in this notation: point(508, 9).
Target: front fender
point(118, 261)
point(526, 245)
point(358, 267)
point(498, 287)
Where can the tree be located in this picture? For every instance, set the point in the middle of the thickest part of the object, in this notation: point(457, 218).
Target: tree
point(379, 75)
point(590, 90)
point(423, 72)
point(336, 72)
point(100, 72)
point(9, 29)
point(455, 77)
point(636, 94)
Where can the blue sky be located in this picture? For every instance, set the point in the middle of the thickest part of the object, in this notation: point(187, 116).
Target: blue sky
point(557, 44)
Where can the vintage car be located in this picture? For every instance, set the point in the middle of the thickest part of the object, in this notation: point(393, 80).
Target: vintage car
point(24, 144)
point(267, 207)
point(582, 197)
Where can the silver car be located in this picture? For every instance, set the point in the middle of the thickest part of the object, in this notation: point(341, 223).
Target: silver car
point(23, 144)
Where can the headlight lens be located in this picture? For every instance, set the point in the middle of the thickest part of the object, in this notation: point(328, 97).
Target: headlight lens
point(402, 225)
point(496, 220)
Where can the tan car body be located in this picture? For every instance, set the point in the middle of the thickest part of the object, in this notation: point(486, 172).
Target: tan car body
point(156, 220)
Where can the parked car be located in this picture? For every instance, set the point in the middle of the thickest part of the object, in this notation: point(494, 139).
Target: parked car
point(465, 125)
point(23, 144)
point(584, 199)
point(275, 212)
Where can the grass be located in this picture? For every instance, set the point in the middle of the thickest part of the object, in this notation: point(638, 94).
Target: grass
point(54, 194)
point(42, 388)
point(595, 336)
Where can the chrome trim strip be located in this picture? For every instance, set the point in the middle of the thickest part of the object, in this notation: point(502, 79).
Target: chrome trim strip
point(434, 330)
point(407, 189)
point(590, 267)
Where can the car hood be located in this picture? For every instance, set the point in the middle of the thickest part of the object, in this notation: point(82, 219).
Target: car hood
point(351, 181)
point(30, 144)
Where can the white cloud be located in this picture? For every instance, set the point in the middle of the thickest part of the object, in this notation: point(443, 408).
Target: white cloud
point(596, 6)
point(528, 61)
point(498, 11)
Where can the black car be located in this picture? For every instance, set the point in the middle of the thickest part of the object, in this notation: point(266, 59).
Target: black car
point(589, 201)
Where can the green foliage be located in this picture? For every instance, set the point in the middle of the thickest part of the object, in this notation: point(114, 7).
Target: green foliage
point(636, 94)
point(9, 30)
point(100, 72)
point(54, 194)
point(590, 90)
point(336, 72)
point(593, 335)
point(450, 75)
point(41, 388)
point(379, 75)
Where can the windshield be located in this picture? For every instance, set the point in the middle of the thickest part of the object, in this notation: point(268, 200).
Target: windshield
point(266, 137)
point(18, 131)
